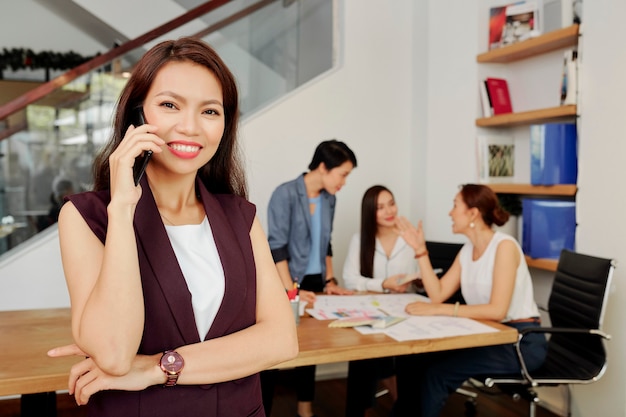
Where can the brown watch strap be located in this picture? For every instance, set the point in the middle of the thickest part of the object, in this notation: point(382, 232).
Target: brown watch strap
point(172, 379)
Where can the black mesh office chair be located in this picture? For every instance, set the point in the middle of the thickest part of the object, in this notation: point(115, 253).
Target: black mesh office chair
point(442, 255)
point(576, 353)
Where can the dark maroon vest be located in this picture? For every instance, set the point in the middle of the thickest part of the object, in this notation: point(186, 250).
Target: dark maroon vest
point(169, 317)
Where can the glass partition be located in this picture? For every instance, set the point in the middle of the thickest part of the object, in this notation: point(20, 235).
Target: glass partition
point(46, 149)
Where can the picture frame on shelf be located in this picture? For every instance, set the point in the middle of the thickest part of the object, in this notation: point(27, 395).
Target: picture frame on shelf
point(495, 158)
point(522, 22)
point(497, 20)
point(497, 24)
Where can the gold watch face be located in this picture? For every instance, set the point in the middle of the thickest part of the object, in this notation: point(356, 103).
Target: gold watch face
point(172, 362)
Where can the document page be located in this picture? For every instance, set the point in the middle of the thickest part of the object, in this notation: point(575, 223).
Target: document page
point(332, 307)
point(433, 327)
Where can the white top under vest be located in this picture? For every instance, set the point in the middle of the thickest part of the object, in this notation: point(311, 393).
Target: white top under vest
point(201, 265)
point(477, 279)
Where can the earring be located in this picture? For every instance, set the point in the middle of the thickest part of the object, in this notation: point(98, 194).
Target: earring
point(472, 225)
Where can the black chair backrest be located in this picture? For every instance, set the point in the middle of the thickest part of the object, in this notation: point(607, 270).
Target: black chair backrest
point(442, 255)
point(577, 301)
point(579, 291)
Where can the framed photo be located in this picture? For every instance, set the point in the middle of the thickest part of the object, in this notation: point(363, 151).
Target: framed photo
point(522, 22)
point(495, 158)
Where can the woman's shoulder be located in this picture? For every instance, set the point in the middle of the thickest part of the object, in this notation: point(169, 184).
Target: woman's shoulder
point(232, 203)
point(292, 184)
point(503, 240)
point(499, 237)
point(232, 200)
point(90, 201)
point(91, 196)
point(92, 206)
point(289, 188)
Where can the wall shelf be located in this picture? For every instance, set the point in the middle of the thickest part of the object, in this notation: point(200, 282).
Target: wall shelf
point(557, 39)
point(563, 190)
point(528, 117)
point(548, 42)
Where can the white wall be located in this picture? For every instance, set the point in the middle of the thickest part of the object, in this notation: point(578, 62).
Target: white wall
point(34, 278)
point(366, 103)
point(601, 197)
point(449, 110)
point(405, 99)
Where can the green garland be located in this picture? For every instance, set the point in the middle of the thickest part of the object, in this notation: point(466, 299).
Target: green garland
point(20, 58)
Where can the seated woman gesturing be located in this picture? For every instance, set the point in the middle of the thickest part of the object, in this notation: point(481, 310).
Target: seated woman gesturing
point(492, 274)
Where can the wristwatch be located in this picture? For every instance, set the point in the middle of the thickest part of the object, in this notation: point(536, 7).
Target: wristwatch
point(172, 364)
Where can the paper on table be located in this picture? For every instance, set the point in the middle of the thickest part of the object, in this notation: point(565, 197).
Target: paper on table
point(413, 328)
point(331, 307)
point(380, 322)
point(432, 327)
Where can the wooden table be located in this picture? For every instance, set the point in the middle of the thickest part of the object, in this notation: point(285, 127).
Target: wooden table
point(320, 344)
point(26, 336)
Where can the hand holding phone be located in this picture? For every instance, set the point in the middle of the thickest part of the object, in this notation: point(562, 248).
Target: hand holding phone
point(141, 161)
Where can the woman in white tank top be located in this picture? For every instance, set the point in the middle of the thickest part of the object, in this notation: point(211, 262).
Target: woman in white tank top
point(492, 274)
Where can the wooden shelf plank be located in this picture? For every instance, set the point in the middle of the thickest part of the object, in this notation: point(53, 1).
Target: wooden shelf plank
point(542, 263)
point(564, 190)
point(528, 117)
point(557, 39)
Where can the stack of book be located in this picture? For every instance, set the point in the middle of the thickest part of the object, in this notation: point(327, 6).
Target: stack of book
point(495, 97)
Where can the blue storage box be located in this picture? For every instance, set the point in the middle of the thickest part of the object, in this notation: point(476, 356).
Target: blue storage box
point(553, 154)
point(548, 226)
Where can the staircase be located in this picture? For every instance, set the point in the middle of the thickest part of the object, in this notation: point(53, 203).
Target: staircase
point(52, 130)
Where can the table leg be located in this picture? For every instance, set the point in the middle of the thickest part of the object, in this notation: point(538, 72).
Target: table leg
point(39, 405)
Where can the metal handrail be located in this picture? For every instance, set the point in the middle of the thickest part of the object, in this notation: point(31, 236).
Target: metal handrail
point(42, 90)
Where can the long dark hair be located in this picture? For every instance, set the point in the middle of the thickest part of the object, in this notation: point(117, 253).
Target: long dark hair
point(369, 227)
point(224, 172)
point(486, 201)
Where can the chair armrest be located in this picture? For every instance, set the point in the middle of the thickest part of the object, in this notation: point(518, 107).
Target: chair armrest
point(551, 330)
point(562, 330)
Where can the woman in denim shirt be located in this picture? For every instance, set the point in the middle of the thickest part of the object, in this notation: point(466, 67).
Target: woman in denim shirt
point(300, 223)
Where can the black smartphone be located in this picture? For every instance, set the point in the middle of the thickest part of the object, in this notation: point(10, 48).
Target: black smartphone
point(141, 161)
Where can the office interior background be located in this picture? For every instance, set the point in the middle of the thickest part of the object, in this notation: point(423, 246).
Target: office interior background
point(403, 95)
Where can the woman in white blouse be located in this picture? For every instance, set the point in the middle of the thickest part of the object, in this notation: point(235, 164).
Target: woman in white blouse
point(378, 257)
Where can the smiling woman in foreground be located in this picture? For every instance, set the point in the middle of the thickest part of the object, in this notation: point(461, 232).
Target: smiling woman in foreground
point(172, 281)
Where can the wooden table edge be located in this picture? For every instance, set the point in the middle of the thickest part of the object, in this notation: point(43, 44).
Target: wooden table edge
point(504, 335)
